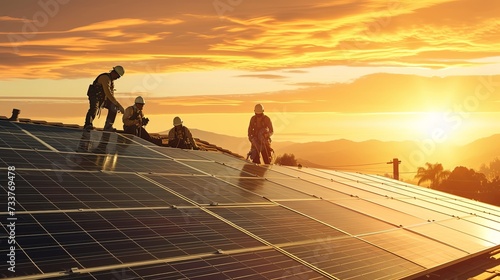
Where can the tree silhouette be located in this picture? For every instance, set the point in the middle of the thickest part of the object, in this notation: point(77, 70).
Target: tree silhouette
point(466, 183)
point(434, 173)
point(286, 159)
point(491, 170)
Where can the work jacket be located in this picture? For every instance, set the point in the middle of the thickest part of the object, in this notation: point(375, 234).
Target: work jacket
point(260, 128)
point(181, 137)
point(103, 89)
point(132, 116)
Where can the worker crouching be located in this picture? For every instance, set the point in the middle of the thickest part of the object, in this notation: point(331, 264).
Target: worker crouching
point(180, 136)
point(134, 121)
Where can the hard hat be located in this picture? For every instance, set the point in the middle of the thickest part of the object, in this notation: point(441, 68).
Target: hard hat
point(177, 121)
point(259, 109)
point(139, 100)
point(119, 70)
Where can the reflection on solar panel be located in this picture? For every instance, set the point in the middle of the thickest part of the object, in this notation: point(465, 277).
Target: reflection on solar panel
point(106, 206)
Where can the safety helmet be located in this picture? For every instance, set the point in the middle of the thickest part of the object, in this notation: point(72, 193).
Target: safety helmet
point(259, 109)
point(119, 70)
point(177, 121)
point(139, 100)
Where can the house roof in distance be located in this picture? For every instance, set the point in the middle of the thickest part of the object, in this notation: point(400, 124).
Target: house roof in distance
point(124, 208)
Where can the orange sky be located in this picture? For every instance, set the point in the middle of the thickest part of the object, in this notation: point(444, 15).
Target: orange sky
point(336, 69)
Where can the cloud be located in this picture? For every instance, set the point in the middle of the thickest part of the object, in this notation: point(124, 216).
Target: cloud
point(308, 84)
point(263, 76)
point(248, 35)
point(296, 71)
point(196, 102)
point(9, 18)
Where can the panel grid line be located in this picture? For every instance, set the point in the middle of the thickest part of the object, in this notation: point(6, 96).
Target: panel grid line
point(38, 139)
point(251, 234)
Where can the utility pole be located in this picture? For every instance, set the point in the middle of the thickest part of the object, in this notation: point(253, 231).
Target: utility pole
point(395, 167)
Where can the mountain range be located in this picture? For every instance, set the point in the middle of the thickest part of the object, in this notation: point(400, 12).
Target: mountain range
point(372, 156)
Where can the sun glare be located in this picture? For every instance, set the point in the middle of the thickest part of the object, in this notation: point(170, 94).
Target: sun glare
point(438, 126)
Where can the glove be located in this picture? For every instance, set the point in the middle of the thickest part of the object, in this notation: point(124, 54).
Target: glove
point(122, 110)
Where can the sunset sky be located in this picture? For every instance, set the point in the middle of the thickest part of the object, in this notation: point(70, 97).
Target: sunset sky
point(324, 69)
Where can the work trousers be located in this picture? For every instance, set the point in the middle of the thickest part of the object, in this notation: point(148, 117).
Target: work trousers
point(261, 148)
point(94, 105)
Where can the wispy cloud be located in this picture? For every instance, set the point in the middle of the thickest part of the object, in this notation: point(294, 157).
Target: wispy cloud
point(9, 18)
point(263, 76)
point(252, 35)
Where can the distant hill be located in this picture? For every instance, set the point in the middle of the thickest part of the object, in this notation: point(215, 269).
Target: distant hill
point(238, 145)
point(371, 156)
point(481, 151)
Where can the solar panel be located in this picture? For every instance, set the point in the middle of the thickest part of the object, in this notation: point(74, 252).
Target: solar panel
point(276, 224)
point(452, 237)
point(111, 237)
point(460, 202)
point(257, 170)
point(177, 153)
point(89, 190)
point(207, 189)
point(392, 211)
point(19, 141)
point(215, 169)
point(421, 250)
point(264, 264)
point(312, 189)
point(102, 205)
point(351, 258)
point(344, 219)
point(266, 188)
point(11, 127)
point(102, 143)
point(29, 159)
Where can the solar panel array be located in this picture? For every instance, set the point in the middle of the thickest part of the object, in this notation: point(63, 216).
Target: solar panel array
point(103, 205)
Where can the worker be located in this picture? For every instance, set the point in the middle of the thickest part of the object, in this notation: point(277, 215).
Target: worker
point(260, 131)
point(180, 136)
point(134, 121)
point(101, 95)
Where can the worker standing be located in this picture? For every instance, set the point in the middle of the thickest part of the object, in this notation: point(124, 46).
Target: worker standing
point(101, 95)
point(260, 131)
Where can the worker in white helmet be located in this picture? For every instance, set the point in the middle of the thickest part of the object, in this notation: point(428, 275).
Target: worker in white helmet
point(101, 95)
point(134, 121)
point(260, 131)
point(180, 136)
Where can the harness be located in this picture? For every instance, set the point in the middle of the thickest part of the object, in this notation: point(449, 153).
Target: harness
point(96, 90)
point(181, 140)
point(132, 128)
point(135, 115)
point(259, 127)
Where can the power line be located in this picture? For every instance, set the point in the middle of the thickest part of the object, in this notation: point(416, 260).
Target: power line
point(354, 165)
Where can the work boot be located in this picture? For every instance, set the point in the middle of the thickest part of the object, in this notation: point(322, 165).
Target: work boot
point(109, 127)
point(88, 127)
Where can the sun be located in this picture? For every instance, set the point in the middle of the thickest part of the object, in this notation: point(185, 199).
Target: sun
point(438, 126)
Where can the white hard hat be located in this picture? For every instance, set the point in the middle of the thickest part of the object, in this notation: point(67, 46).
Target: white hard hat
point(119, 70)
point(177, 121)
point(259, 109)
point(139, 100)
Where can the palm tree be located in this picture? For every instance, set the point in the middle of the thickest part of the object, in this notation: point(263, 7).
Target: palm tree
point(433, 173)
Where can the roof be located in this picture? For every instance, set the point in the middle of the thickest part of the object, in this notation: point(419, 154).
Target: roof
point(127, 209)
point(204, 145)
